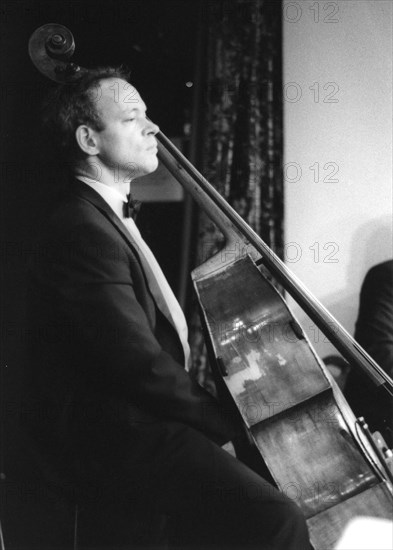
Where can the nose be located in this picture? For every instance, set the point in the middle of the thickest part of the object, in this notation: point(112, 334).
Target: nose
point(151, 128)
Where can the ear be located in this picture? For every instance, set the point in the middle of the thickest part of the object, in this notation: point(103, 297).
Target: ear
point(86, 139)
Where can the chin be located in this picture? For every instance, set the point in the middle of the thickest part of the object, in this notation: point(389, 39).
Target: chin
point(137, 171)
point(152, 168)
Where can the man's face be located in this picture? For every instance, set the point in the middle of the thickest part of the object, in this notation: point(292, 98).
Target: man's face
point(126, 144)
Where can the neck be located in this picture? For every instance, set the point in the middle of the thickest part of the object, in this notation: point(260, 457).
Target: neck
point(104, 175)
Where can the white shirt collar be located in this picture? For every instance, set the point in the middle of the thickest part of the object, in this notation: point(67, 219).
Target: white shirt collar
point(112, 196)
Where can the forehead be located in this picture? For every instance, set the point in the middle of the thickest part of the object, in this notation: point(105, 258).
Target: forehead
point(116, 97)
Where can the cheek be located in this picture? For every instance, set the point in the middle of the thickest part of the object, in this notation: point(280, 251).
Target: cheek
point(111, 142)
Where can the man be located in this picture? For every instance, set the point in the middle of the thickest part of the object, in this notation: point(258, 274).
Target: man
point(118, 411)
point(374, 332)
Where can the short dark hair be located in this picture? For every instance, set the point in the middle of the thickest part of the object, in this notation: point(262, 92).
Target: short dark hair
point(69, 105)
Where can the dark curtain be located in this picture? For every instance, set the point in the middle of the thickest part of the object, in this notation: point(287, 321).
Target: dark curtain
point(241, 139)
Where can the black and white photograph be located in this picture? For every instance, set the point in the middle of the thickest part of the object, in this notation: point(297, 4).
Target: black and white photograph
point(196, 275)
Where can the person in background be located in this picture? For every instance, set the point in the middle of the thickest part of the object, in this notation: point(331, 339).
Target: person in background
point(374, 332)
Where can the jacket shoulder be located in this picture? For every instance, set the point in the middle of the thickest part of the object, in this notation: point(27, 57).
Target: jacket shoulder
point(380, 274)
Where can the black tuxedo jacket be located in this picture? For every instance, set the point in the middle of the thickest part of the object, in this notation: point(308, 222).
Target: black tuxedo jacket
point(374, 332)
point(99, 346)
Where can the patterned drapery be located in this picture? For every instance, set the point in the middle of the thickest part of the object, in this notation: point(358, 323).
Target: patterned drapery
point(242, 141)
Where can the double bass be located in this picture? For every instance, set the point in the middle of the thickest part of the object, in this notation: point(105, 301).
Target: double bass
point(315, 449)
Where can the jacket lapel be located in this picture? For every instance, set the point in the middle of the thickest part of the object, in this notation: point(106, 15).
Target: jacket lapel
point(85, 192)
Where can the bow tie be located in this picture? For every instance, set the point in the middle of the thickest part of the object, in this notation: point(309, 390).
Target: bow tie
point(131, 207)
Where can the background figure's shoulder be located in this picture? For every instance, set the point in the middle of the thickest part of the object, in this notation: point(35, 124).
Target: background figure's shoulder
point(380, 274)
point(384, 268)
